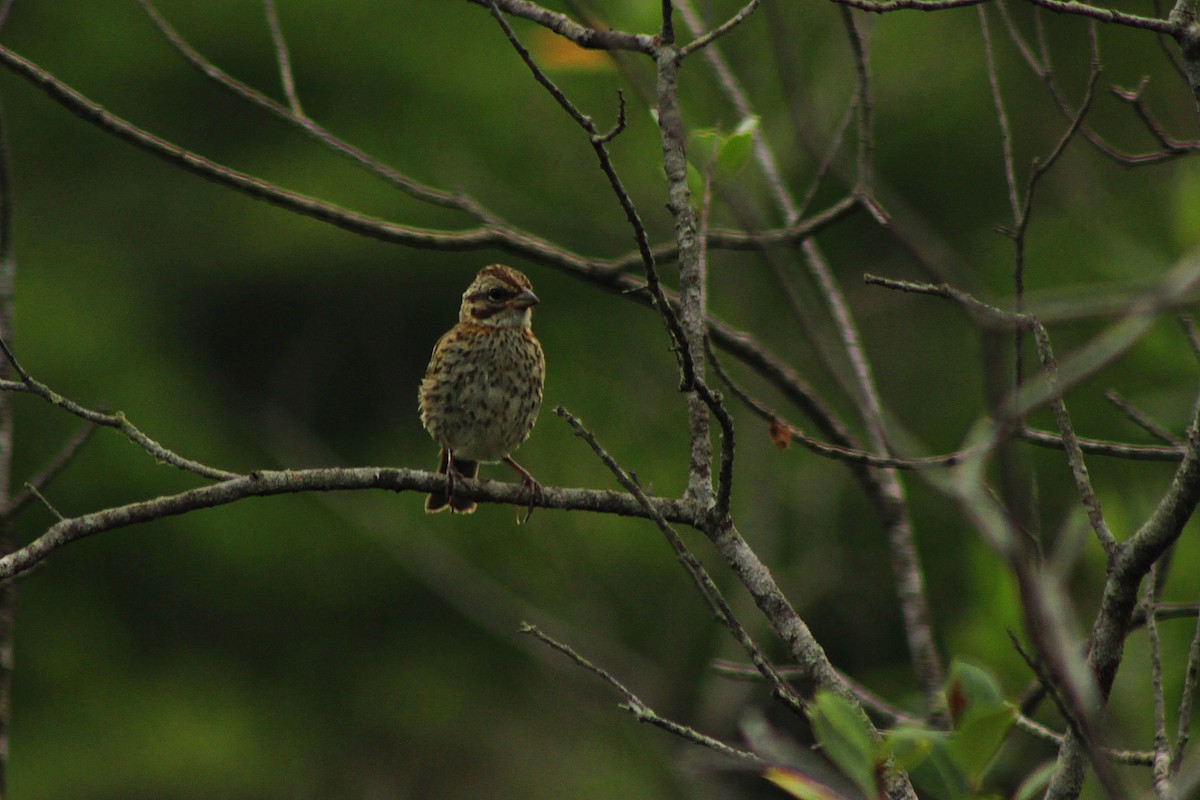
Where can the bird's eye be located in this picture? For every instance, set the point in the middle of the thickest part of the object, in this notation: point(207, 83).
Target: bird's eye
point(497, 295)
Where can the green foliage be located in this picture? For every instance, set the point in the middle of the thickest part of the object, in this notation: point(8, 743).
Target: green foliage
point(956, 762)
point(842, 733)
point(943, 765)
point(800, 785)
point(721, 156)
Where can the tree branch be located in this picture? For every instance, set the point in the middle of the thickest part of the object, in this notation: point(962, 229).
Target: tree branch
point(568, 28)
point(1133, 560)
point(636, 706)
point(267, 483)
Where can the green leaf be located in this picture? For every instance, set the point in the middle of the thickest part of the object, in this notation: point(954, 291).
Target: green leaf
point(733, 154)
point(970, 686)
point(1035, 784)
point(844, 737)
point(937, 776)
point(978, 737)
point(908, 746)
point(734, 151)
point(981, 719)
point(800, 785)
point(701, 146)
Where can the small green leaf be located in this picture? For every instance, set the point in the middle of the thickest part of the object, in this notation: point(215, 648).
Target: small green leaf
point(971, 686)
point(978, 737)
point(800, 785)
point(908, 746)
point(702, 144)
point(733, 155)
point(937, 776)
point(845, 739)
point(1034, 785)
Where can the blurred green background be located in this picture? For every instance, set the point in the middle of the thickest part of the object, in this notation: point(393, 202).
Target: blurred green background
point(351, 646)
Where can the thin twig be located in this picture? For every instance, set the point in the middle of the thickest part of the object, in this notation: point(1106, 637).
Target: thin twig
point(1132, 758)
point(708, 590)
point(33, 490)
point(772, 238)
point(636, 706)
point(583, 35)
point(51, 470)
point(1006, 139)
point(117, 421)
point(1059, 6)
point(887, 713)
point(1190, 678)
point(282, 57)
point(1136, 318)
point(720, 30)
point(1079, 470)
point(1078, 723)
point(1162, 745)
point(864, 177)
point(1141, 419)
point(781, 427)
point(1101, 447)
point(1189, 328)
point(292, 115)
point(1130, 566)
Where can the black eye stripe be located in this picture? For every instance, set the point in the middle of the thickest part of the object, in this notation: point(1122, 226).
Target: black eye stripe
point(487, 294)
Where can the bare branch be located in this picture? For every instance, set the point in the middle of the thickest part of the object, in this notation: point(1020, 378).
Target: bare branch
point(567, 28)
point(1162, 745)
point(636, 706)
point(1132, 561)
point(1189, 329)
point(117, 421)
point(1190, 678)
point(1006, 141)
point(727, 239)
point(283, 58)
point(1133, 758)
point(1079, 471)
point(719, 31)
point(51, 470)
point(267, 483)
point(1099, 447)
point(294, 116)
point(1108, 15)
point(888, 6)
point(876, 705)
point(708, 589)
point(1141, 419)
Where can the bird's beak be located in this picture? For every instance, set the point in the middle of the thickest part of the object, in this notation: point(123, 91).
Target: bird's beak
point(526, 299)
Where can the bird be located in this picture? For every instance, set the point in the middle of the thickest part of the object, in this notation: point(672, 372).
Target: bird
point(482, 390)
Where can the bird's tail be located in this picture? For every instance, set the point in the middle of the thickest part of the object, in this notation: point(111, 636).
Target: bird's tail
point(440, 501)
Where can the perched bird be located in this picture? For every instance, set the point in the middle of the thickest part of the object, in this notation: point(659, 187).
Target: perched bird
point(483, 387)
